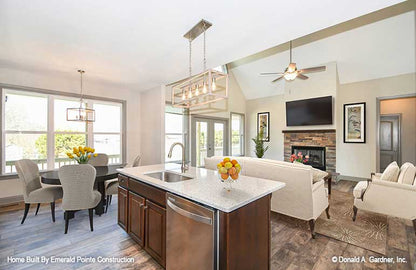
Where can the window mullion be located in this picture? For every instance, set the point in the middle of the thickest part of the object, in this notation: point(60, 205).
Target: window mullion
point(50, 135)
point(90, 128)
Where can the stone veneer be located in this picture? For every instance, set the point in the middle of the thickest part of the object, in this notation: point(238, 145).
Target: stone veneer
point(324, 138)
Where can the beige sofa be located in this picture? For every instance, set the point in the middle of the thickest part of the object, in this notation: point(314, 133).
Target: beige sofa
point(385, 197)
point(300, 198)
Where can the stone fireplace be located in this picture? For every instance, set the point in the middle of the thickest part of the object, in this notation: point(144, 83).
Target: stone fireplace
point(320, 144)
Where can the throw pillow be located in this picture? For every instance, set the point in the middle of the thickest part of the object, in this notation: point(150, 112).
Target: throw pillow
point(407, 174)
point(391, 173)
point(317, 175)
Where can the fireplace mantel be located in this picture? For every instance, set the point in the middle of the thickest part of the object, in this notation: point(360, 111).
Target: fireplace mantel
point(308, 131)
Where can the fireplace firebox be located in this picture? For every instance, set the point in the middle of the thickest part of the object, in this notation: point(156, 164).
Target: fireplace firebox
point(316, 155)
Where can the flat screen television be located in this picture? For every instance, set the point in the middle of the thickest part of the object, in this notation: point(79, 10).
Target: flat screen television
point(306, 112)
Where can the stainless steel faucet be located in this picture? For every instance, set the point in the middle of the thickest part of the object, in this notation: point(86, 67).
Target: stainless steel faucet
point(184, 167)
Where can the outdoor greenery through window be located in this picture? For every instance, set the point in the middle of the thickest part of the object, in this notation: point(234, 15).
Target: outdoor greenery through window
point(35, 127)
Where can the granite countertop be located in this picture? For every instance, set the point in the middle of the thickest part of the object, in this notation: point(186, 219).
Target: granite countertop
point(205, 187)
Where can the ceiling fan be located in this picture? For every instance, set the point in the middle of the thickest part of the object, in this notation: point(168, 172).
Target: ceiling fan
point(292, 72)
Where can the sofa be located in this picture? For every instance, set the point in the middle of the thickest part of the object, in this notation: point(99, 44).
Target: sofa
point(392, 198)
point(300, 198)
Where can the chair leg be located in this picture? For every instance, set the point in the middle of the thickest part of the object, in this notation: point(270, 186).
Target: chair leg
point(66, 216)
point(354, 209)
point(107, 202)
point(53, 211)
point(37, 209)
point(327, 213)
point(91, 214)
point(27, 206)
point(111, 198)
point(414, 225)
point(312, 227)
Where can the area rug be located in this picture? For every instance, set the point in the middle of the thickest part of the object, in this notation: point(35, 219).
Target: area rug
point(369, 231)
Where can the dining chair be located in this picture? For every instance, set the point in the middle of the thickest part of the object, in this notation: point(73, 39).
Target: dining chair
point(111, 186)
point(100, 160)
point(33, 192)
point(77, 183)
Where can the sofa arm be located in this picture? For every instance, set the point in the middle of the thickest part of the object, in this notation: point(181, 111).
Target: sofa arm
point(394, 185)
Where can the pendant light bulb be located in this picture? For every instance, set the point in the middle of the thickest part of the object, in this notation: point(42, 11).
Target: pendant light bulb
point(204, 89)
point(197, 90)
point(183, 94)
point(214, 86)
point(190, 93)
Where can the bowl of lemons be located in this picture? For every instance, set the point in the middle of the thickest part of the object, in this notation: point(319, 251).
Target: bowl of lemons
point(228, 171)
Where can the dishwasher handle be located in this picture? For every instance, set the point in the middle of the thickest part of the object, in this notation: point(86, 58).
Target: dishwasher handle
point(183, 212)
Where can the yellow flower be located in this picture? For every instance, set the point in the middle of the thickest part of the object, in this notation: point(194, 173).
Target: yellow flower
point(78, 154)
point(95, 155)
point(80, 148)
point(93, 150)
point(85, 148)
point(71, 157)
point(89, 156)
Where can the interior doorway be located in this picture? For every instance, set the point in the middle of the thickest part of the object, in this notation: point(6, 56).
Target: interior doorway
point(390, 135)
point(209, 137)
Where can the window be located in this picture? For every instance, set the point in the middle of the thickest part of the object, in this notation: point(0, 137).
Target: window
point(237, 134)
point(35, 128)
point(174, 132)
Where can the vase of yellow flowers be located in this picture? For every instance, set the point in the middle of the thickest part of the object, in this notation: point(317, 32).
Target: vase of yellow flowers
point(81, 154)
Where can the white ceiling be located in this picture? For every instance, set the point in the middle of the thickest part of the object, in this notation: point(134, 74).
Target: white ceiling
point(140, 43)
point(381, 49)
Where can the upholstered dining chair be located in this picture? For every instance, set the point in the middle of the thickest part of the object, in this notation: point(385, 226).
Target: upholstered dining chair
point(78, 183)
point(100, 160)
point(33, 192)
point(136, 161)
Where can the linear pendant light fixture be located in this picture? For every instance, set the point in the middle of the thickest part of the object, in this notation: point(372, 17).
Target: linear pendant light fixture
point(81, 114)
point(206, 87)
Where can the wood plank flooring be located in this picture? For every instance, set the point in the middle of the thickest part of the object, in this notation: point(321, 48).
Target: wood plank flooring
point(292, 246)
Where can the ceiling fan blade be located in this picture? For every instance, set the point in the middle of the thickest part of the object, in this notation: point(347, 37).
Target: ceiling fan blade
point(302, 77)
point(270, 73)
point(313, 69)
point(278, 78)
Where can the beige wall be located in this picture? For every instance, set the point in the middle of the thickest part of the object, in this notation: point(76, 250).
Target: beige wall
point(152, 119)
point(407, 108)
point(318, 85)
point(359, 160)
point(69, 83)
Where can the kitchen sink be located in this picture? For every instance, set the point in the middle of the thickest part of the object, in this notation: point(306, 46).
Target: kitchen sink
point(166, 176)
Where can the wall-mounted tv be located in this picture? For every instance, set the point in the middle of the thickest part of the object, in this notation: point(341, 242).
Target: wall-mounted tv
point(306, 112)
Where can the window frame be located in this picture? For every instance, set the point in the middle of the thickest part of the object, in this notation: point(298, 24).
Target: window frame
point(183, 133)
point(242, 134)
point(50, 132)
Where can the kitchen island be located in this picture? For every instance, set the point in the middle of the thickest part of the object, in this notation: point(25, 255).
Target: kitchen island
point(190, 220)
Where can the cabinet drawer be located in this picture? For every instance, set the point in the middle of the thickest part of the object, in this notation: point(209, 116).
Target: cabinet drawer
point(123, 180)
point(154, 194)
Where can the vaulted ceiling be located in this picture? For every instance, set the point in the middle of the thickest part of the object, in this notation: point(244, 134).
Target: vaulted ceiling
point(139, 43)
point(375, 50)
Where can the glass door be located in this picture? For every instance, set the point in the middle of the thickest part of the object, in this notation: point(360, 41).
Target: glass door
point(209, 138)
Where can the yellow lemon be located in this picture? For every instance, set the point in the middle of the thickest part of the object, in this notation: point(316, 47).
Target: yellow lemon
point(219, 165)
point(226, 159)
point(222, 170)
point(228, 165)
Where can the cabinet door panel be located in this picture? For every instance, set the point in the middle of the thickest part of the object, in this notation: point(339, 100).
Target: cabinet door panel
point(122, 208)
point(136, 217)
point(156, 232)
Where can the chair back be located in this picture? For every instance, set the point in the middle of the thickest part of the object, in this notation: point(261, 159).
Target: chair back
point(77, 184)
point(136, 162)
point(28, 173)
point(100, 160)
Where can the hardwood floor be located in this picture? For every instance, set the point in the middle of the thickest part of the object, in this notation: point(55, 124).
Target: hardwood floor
point(291, 248)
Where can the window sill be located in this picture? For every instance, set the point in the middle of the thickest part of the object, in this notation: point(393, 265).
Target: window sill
point(8, 176)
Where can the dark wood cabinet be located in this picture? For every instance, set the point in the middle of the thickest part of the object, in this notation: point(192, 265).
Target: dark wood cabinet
point(136, 217)
point(156, 232)
point(122, 208)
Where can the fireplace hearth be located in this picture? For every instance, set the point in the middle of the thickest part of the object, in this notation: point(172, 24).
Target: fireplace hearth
point(316, 155)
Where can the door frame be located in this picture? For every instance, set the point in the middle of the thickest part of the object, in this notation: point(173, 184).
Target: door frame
point(399, 152)
point(378, 102)
point(194, 119)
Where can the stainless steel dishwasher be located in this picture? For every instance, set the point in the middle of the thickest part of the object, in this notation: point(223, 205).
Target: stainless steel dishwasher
point(190, 235)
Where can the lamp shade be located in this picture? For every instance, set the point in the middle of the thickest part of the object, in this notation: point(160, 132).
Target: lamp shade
point(80, 114)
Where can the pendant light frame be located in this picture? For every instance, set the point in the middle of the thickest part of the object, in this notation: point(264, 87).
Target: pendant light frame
point(190, 92)
point(82, 113)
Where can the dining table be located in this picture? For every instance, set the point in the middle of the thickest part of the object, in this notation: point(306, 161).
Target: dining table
point(103, 173)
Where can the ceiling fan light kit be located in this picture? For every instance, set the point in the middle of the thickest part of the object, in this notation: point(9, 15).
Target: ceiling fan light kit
point(206, 87)
point(80, 114)
point(292, 72)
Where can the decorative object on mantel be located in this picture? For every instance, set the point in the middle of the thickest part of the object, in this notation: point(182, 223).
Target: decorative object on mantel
point(354, 123)
point(263, 125)
point(260, 148)
point(228, 171)
point(207, 87)
point(81, 114)
point(81, 154)
point(292, 72)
